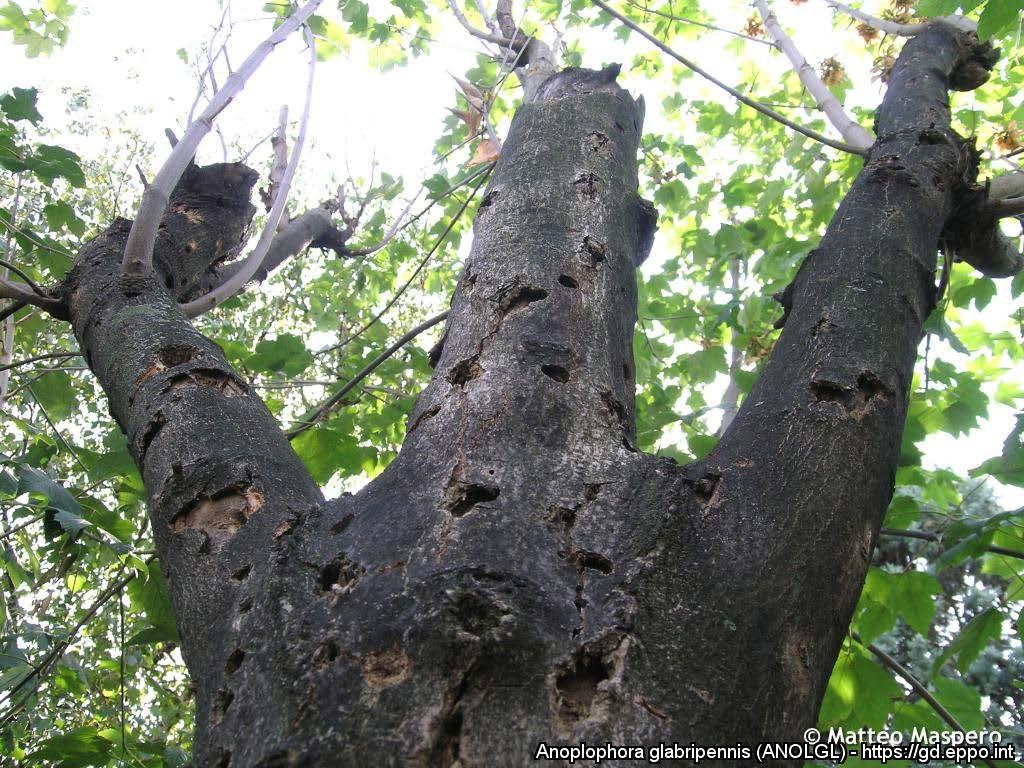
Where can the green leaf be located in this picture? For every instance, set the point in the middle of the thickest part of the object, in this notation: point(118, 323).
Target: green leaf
point(972, 640)
point(20, 104)
point(963, 702)
point(56, 394)
point(76, 749)
point(49, 163)
point(13, 676)
point(60, 214)
point(31, 480)
point(148, 592)
point(999, 17)
point(286, 354)
point(903, 512)
point(909, 594)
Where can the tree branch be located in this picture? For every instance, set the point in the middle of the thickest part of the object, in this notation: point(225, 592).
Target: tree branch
point(11, 289)
point(390, 234)
point(37, 358)
point(896, 28)
point(31, 284)
point(934, 537)
point(919, 688)
point(728, 89)
point(138, 253)
point(851, 131)
point(331, 403)
point(486, 36)
point(252, 263)
point(422, 264)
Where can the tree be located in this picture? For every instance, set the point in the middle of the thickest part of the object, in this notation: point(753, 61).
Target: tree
point(522, 573)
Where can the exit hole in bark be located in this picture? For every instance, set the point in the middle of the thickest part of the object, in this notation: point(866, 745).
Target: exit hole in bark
point(568, 281)
point(222, 514)
point(234, 661)
point(384, 669)
point(242, 573)
point(340, 576)
point(595, 250)
point(577, 688)
point(325, 653)
point(174, 355)
point(594, 561)
point(462, 497)
point(522, 296)
point(464, 372)
point(341, 525)
point(475, 613)
point(556, 372)
point(211, 378)
point(854, 400)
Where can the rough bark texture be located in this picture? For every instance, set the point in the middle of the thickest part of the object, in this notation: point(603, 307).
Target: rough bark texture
point(521, 573)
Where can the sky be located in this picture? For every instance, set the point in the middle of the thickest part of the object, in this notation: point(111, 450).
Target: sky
point(125, 53)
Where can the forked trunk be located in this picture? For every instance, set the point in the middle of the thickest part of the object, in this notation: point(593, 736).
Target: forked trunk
point(521, 573)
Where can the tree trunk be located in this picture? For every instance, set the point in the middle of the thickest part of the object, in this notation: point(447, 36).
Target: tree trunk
point(521, 573)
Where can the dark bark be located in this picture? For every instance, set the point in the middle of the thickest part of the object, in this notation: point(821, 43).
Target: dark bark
point(521, 573)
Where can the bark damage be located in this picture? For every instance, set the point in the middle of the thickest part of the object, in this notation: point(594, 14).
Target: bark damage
point(521, 573)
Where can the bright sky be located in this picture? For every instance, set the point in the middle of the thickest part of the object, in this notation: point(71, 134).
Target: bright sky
point(125, 54)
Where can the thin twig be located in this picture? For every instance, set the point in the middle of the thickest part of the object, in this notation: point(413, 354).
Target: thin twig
point(819, 137)
point(15, 528)
point(60, 437)
point(58, 650)
point(694, 22)
point(919, 688)
point(486, 36)
point(138, 252)
point(36, 358)
point(934, 537)
point(325, 409)
point(396, 227)
point(422, 264)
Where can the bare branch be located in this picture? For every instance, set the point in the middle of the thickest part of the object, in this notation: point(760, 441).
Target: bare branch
point(896, 28)
point(31, 283)
point(731, 398)
point(728, 89)
point(210, 59)
point(694, 22)
point(279, 145)
point(854, 134)
point(36, 358)
point(489, 37)
point(1005, 193)
point(254, 260)
point(390, 234)
point(138, 252)
point(10, 289)
point(486, 16)
point(324, 410)
point(1009, 206)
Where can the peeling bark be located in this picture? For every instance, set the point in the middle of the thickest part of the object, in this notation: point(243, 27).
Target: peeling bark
point(521, 573)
